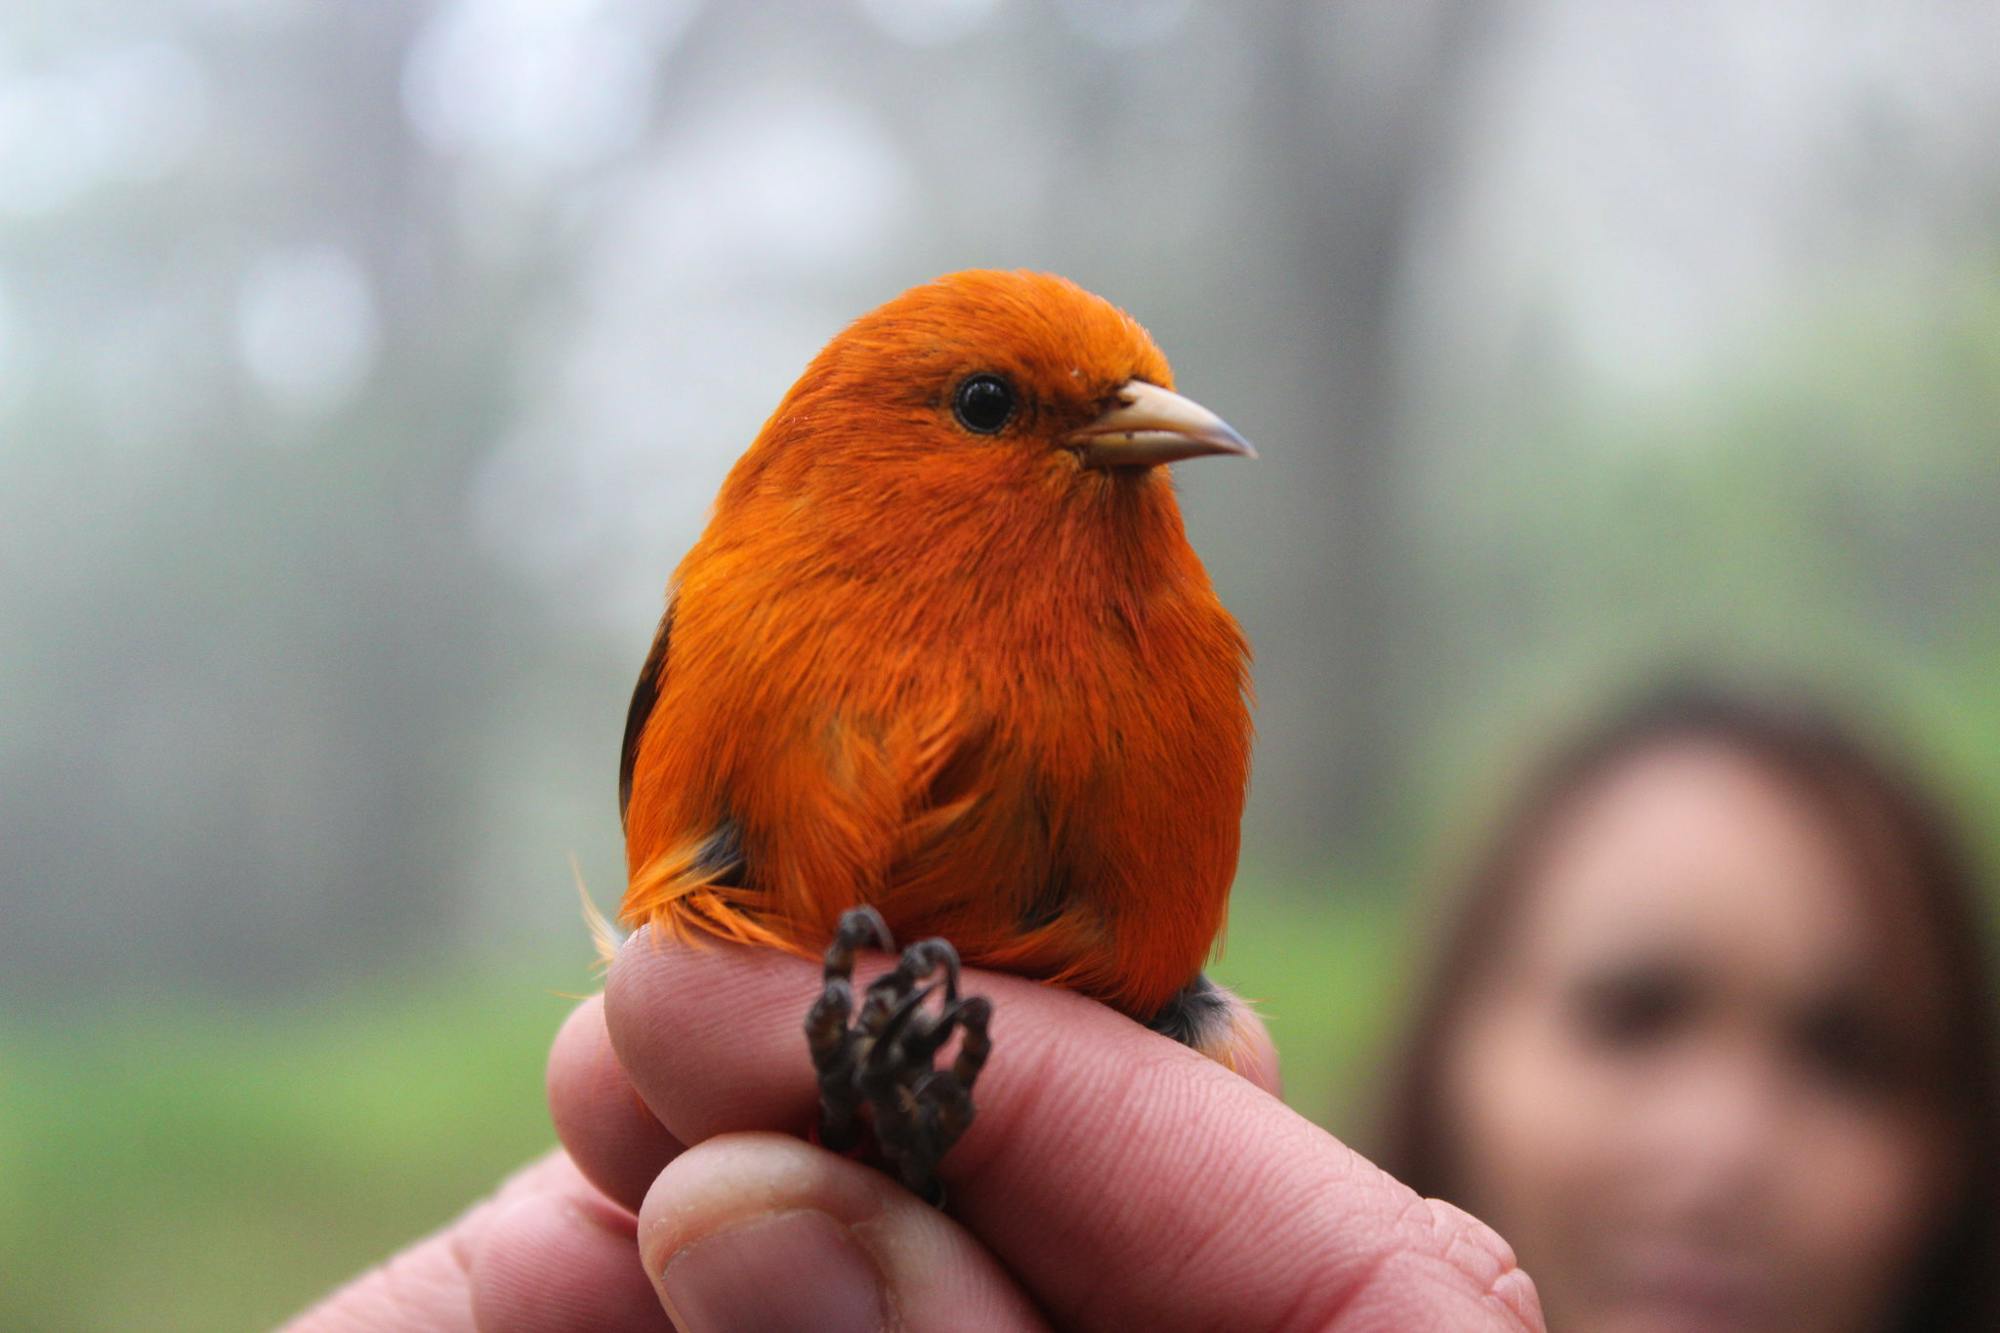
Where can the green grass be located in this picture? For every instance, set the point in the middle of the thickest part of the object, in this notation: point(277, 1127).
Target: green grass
point(207, 1169)
point(195, 1167)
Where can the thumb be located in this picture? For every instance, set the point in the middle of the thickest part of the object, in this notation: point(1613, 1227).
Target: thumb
point(761, 1231)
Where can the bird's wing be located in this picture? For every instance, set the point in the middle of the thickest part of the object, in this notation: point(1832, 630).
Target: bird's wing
point(644, 695)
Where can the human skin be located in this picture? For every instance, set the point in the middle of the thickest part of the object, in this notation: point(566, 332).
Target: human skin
point(1685, 1088)
point(1112, 1179)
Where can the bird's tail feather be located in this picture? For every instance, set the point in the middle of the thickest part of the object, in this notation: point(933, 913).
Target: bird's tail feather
point(604, 936)
point(679, 894)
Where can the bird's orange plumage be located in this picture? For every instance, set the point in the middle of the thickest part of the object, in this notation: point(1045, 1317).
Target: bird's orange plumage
point(962, 677)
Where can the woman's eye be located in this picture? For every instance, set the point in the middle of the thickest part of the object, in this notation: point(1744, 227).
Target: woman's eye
point(1625, 1010)
point(1838, 1043)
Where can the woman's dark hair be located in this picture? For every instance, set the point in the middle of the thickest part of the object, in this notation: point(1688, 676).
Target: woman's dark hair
point(1895, 826)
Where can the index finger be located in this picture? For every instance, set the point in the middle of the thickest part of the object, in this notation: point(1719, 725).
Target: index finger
point(1124, 1178)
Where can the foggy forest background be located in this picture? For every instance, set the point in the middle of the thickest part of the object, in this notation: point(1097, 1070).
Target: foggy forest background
point(366, 368)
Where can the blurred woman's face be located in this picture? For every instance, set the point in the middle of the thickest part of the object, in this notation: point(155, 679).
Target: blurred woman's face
point(1692, 1091)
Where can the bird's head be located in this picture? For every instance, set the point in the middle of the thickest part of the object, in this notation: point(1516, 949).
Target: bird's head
point(984, 382)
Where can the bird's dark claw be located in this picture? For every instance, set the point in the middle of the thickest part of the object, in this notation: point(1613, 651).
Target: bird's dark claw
point(882, 1058)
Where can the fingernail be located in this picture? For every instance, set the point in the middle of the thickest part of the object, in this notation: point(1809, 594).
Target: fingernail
point(787, 1270)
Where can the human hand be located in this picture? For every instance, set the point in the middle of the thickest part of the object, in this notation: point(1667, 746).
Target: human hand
point(1113, 1179)
point(547, 1251)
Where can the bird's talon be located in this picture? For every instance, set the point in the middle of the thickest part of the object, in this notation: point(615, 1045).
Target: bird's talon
point(882, 1059)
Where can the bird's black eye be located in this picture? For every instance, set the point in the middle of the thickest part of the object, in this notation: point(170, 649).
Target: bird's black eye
point(983, 404)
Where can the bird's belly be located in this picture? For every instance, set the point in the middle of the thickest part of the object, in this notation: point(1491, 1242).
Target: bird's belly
point(1095, 863)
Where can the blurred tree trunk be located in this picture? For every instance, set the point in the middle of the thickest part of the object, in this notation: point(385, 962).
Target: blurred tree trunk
point(1357, 139)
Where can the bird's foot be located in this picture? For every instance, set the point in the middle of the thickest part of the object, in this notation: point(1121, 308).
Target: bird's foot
point(881, 1058)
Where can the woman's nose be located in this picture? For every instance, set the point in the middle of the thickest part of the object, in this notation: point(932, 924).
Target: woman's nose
point(1714, 1128)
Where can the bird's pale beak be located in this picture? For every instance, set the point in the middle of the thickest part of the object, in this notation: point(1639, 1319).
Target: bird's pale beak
point(1147, 425)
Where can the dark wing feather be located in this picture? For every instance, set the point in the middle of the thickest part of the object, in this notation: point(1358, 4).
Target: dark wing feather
point(644, 695)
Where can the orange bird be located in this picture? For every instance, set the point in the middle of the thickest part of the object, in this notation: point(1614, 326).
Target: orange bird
point(944, 651)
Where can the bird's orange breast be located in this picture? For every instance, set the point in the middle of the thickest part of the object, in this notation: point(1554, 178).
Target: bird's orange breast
point(1046, 765)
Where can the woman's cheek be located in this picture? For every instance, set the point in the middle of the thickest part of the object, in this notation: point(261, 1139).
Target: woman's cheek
point(1531, 1111)
point(1867, 1193)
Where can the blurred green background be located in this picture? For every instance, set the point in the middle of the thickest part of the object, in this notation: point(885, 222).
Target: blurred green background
point(364, 369)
